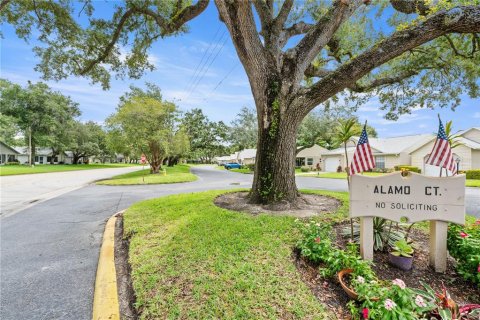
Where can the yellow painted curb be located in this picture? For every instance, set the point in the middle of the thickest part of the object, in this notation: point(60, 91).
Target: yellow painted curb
point(105, 299)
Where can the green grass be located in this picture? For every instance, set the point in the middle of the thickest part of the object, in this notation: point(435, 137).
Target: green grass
point(178, 173)
point(45, 168)
point(472, 183)
point(193, 260)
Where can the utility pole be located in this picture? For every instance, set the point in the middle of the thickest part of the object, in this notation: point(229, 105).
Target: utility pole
point(30, 146)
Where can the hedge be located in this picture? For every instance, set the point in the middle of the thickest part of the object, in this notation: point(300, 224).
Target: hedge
point(473, 174)
point(408, 168)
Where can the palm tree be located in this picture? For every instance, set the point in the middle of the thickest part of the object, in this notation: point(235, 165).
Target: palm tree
point(344, 132)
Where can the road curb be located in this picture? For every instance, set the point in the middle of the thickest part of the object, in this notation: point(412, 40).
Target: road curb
point(105, 298)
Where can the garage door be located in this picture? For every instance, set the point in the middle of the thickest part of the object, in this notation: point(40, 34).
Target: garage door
point(331, 164)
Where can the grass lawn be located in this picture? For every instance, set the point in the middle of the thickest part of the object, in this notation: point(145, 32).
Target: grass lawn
point(178, 173)
point(193, 260)
point(473, 183)
point(44, 168)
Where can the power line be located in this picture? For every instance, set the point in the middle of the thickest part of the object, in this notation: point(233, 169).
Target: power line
point(206, 68)
point(220, 82)
point(209, 53)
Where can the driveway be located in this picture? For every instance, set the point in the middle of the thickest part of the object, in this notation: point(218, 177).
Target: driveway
point(49, 251)
point(21, 191)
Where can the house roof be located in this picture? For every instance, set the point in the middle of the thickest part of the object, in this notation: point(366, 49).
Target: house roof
point(10, 148)
point(247, 154)
point(469, 143)
point(393, 145)
point(39, 151)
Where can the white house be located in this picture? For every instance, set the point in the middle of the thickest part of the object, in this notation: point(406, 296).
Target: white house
point(310, 156)
point(7, 153)
point(247, 156)
point(43, 156)
point(409, 150)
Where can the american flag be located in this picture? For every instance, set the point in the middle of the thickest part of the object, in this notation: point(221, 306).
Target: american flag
point(441, 155)
point(362, 158)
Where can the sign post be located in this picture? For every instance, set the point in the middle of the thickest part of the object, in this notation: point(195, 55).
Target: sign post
point(143, 159)
point(414, 197)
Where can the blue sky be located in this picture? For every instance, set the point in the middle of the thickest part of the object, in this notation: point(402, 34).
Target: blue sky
point(220, 88)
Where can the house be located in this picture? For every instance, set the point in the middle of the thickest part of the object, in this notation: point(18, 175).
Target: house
point(7, 153)
point(310, 156)
point(43, 156)
point(247, 156)
point(409, 150)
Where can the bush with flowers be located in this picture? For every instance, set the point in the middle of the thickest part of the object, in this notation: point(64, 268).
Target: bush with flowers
point(464, 245)
point(377, 299)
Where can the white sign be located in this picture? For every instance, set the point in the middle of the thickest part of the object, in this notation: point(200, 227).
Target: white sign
point(414, 197)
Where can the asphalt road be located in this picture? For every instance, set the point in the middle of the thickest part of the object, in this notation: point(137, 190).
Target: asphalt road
point(49, 251)
point(21, 191)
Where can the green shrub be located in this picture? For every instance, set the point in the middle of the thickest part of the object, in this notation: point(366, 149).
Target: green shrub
point(473, 174)
point(12, 163)
point(408, 168)
point(382, 170)
point(464, 245)
point(305, 169)
point(250, 166)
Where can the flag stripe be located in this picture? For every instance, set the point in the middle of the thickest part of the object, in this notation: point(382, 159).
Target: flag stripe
point(441, 155)
point(362, 158)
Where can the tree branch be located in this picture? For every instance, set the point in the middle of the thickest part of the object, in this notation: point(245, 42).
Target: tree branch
point(318, 36)
point(166, 27)
point(279, 21)
point(110, 45)
point(3, 4)
point(383, 81)
point(463, 19)
point(452, 45)
point(313, 71)
point(296, 29)
point(410, 6)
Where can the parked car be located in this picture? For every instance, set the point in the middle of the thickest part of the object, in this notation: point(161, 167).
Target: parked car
point(232, 165)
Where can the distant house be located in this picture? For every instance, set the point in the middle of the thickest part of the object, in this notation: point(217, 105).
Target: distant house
point(247, 156)
point(409, 150)
point(310, 157)
point(7, 153)
point(43, 156)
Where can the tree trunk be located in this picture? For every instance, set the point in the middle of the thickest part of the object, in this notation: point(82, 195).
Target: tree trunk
point(75, 159)
point(274, 178)
point(155, 167)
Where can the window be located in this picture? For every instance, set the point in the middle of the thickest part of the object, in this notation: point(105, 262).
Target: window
point(300, 162)
point(380, 162)
point(309, 161)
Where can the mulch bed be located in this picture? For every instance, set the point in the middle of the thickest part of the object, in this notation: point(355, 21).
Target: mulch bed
point(330, 293)
point(307, 205)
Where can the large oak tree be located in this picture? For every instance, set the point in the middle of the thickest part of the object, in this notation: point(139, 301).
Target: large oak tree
point(299, 55)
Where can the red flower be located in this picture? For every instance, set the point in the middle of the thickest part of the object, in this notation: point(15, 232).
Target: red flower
point(365, 313)
point(317, 239)
point(463, 234)
point(478, 269)
point(477, 222)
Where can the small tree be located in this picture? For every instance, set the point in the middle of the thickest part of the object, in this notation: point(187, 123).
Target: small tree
point(148, 124)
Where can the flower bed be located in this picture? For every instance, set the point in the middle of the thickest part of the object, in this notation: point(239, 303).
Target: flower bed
point(377, 298)
point(464, 245)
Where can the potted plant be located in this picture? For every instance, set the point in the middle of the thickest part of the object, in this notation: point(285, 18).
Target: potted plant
point(402, 255)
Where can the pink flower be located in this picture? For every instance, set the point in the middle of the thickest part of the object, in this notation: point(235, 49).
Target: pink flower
point(389, 304)
point(420, 302)
point(477, 222)
point(399, 282)
point(317, 239)
point(463, 234)
point(365, 313)
point(478, 269)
